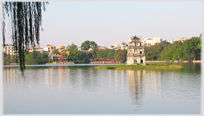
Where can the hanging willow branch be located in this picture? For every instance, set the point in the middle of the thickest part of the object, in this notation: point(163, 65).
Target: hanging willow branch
point(26, 20)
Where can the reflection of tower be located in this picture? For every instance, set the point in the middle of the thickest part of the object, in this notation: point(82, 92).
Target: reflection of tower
point(153, 83)
point(116, 79)
point(122, 74)
point(135, 81)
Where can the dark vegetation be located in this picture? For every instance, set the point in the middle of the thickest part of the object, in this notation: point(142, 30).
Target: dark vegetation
point(188, 50)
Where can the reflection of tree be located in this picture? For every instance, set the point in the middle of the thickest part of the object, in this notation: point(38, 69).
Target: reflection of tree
point(135, 81)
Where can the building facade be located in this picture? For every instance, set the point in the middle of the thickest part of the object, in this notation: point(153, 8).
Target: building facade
point(149, 41)
point(182, 39)
point(9, 49)
point(135, 53)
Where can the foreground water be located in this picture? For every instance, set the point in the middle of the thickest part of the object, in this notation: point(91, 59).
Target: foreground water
point(85, 90)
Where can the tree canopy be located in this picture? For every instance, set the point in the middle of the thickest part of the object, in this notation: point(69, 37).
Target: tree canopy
point(87, 44)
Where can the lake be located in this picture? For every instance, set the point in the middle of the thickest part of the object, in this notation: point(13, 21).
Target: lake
point(81, 89)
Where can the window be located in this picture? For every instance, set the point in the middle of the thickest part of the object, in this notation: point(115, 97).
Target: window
point(140, 52)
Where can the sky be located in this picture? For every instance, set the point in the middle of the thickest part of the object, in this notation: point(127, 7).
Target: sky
point(109, 22)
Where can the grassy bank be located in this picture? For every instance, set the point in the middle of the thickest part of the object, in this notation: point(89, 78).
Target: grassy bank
point(150, 66)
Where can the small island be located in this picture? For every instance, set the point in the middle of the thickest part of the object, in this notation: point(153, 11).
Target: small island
point(148, 66)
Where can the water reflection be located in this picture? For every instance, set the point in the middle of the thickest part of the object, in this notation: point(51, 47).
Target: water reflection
point(136, 84)
point(140, 88)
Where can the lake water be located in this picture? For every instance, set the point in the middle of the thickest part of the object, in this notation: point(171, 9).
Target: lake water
point(81, 89)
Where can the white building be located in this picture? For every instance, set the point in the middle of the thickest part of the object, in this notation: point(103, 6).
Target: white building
point(150, 40)
point(182, 39)
point(123, 46)
point(9, 49)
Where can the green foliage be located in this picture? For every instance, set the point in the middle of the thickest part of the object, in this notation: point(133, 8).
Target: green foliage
point(36, 58)
point(95, 50)
point(9, 58)
point(178, 53)
point(167, 53)
point(56, 52)
point(72, 48)
point(87, 44)
point(153, 52)
point(110, 54)
point(77, 56)
point(102, 54)
point(190, 49)
point(120, 55)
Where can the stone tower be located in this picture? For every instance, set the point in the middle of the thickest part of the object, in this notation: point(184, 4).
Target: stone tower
point(135, 53)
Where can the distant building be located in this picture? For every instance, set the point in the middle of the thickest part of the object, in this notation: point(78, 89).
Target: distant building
point(149, 41)
point(182, 39)
point(35, 48)
point(135, 54)
point(58, 58)
point(90, 49)
point(123, 46)
point(9, 49)
point(111, 47)
point(102, 48)
point(61, 48)
point(49, 48)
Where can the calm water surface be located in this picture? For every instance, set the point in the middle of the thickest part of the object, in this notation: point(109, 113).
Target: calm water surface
point(85, 90)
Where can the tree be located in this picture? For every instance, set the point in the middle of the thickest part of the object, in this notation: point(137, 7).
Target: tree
point(92, 43)
point(26, 18)
point(94, 55)
point(178, 53)
point(120, 55)
point(110, 54)
point(77, 56)
point(56, 52)
point(102, 54)
point(36, 57)
point(87, 44)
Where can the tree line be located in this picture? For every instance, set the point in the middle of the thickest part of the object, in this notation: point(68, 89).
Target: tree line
point(83, 57)
point(188, 50)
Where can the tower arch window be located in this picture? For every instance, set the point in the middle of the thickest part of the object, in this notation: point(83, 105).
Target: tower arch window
point(140, 52)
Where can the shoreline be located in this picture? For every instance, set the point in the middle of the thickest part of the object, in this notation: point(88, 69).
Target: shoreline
point(157, 66)
point(154, 61)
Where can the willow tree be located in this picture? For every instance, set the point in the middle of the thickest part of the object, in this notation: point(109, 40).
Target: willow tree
point(26, 21)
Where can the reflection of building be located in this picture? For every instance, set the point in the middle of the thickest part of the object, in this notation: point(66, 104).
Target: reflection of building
point(10, 77)
point(135, 54)
point(136, 83)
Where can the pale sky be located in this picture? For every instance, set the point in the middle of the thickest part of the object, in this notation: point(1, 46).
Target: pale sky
point(106, 22)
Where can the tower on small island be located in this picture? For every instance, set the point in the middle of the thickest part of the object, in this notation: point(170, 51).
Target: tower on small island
point(135, 53)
